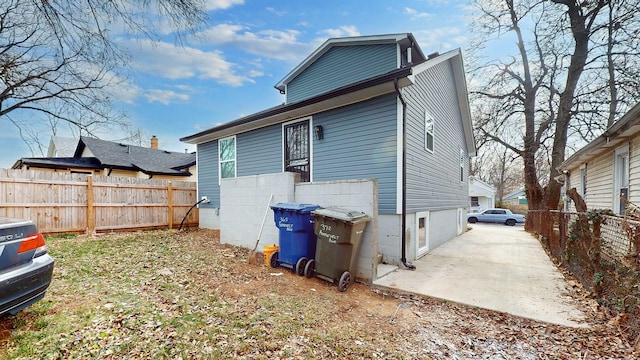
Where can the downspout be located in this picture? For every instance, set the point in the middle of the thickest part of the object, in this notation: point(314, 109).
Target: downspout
point(403, 259)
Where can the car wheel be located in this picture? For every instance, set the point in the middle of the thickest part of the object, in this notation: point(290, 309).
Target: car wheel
point(510, 222)
point(472, 220)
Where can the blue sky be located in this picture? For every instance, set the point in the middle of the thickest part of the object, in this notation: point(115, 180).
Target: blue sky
point(228, 69)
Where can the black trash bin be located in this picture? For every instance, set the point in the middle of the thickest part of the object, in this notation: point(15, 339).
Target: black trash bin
point(296, 239)
point(339, 233)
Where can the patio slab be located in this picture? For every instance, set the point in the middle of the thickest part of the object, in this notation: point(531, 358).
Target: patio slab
point(495, 267)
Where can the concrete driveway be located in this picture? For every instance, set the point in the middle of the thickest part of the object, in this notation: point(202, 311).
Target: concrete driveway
point(495, 267)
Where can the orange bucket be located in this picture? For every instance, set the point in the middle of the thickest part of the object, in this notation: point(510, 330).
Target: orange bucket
point(268, 250)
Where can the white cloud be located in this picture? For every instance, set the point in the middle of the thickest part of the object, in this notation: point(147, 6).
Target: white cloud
point(165, 96)
point(276, 12)
point(175, 62)
point(342, 31)
point(275, 44)
point(221, 4)
point(415, 14)
point(432, 40)
point(127, 92)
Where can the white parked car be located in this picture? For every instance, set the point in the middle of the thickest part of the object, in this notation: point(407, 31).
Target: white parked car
point(501, 216)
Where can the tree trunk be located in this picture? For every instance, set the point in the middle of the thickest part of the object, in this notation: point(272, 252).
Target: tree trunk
point(580, 31)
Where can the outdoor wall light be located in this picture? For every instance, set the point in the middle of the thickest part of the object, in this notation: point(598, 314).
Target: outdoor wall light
point(319, 132)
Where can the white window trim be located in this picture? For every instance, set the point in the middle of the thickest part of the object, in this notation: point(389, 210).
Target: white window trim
point(311, 140)
point(462, 161)
point(427, 115)
point(583, 181)
point(235, 155)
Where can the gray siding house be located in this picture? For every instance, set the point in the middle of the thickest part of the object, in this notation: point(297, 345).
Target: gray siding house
point(369, 123)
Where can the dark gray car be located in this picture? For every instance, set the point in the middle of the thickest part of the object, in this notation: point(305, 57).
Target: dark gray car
point(25, 267)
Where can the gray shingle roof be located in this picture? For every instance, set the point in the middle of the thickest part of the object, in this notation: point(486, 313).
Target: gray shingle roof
point(136, 158)
point(60, 163)
point(62, 147)
point(113, 155)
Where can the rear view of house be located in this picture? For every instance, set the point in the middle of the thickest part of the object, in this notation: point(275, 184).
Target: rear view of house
point(369, 123)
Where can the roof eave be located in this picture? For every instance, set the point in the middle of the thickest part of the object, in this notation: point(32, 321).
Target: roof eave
point(455, 56)
point(356, 92)
point(330, 43)
point(621, 131)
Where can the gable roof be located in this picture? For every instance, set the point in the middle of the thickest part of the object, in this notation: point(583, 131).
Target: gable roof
point(351, 93)
point(627, 127)
point(61, 146)
point(405, 40)
point(112, 155)
point(478, 186)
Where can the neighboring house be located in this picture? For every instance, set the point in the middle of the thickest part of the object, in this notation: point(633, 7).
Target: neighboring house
point(62, 147)
point(516, 197)
point(109, 158)
point(352, 109)
point(608, 168)
point(482, 195)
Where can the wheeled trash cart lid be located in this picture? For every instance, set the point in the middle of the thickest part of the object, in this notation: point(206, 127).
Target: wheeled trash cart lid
point(347, 215)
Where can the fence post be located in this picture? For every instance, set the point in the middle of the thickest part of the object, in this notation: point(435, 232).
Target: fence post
point(170, 203)
point(91, 226)
point(595, 248)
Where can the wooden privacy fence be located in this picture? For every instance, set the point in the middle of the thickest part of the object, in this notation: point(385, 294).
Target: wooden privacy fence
point(76, 203)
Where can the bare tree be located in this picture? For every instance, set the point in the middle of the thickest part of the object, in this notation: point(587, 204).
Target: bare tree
point(498, 166)
point(58, 60)
point(569, 60)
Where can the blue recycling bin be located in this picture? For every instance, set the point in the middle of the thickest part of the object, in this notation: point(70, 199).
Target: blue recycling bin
point(297, 240)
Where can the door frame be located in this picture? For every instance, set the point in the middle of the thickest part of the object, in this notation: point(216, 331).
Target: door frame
point(308, 119)
point(620, 155)
point(426, 215)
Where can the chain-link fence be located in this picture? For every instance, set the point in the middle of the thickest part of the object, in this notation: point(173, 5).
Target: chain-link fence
point(602, 252)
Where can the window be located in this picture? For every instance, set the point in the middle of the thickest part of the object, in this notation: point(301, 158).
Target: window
point(475, 201)
point(227, 157)
point(429, 124)
point(297, 149)
point(583, 180)
point(462, 157)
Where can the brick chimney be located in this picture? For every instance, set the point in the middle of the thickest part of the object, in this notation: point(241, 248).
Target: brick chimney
point(154, 142)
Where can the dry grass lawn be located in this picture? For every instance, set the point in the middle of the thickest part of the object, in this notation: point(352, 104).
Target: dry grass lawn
point(183, 295)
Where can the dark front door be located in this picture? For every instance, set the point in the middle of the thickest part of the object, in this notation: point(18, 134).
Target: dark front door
point(297, 149)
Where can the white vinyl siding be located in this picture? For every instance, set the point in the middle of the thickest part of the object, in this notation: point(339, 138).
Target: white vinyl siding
point(634, 171)
point(600, 182)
